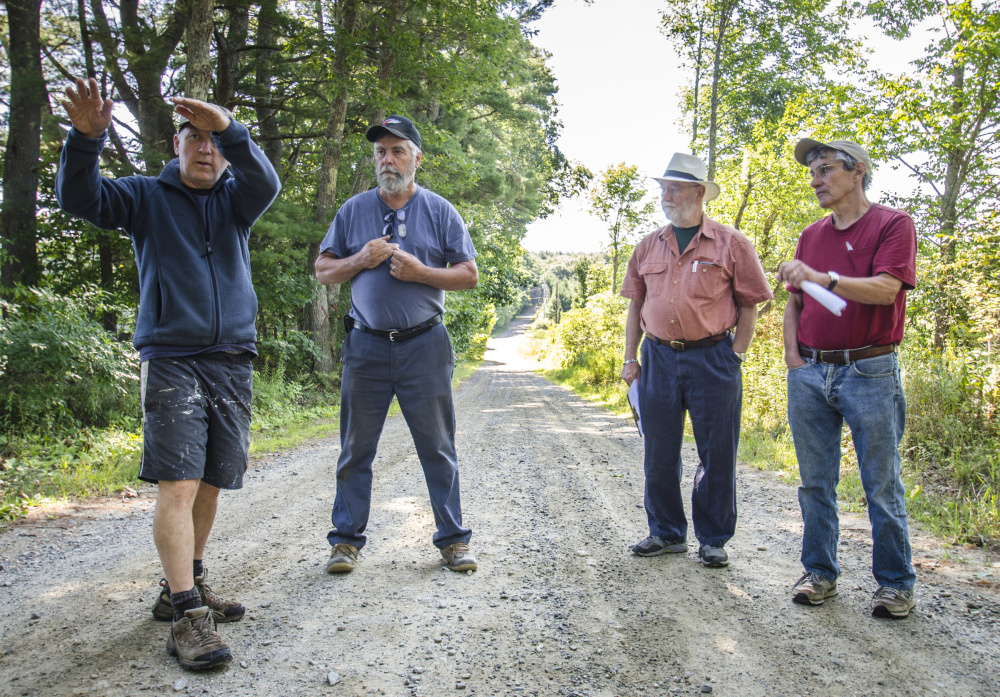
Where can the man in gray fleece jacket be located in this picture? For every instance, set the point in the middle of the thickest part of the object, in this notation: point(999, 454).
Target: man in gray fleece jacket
point(194, 331)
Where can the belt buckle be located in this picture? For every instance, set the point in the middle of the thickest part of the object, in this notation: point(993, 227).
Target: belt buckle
point(393, 334)
point(677, 345)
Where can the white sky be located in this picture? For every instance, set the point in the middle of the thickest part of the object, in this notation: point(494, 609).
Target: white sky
point(619, 81)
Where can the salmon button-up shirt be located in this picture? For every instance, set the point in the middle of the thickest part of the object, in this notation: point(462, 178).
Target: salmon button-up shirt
point(694, 295)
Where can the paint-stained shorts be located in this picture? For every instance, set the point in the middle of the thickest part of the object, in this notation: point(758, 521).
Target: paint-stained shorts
point(196, 418)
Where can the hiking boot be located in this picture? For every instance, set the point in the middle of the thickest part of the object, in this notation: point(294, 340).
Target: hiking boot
point(343, 557)
point(653, 546)
point(458, 557)
point(813, 589)
point(894, 603)
point(713, 556)
point(194, 641)
point(222, 610)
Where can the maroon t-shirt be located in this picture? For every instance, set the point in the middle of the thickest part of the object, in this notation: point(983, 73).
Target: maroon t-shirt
point(882, 241)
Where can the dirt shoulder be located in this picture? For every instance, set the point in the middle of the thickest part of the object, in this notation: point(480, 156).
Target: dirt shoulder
point(552, 487)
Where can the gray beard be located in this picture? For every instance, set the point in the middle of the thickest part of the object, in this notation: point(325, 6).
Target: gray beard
point(393, 183)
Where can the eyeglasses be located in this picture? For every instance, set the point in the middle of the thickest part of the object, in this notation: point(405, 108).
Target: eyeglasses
point(822, 171)
point(674, 189)
point(390, 219)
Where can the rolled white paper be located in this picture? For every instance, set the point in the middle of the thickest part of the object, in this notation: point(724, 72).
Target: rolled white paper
point(831, 301)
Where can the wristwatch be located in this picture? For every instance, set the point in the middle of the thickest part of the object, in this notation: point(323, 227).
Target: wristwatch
point(834, 279)
point(631, 360)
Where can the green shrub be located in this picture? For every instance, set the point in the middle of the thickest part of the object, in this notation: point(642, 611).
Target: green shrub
point(59, 368)
point(592, 338)
point(469, 321)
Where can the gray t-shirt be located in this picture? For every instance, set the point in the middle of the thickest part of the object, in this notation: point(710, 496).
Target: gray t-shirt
point(435, 234)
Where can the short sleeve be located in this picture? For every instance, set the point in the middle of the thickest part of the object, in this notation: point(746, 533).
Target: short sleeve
point(633, 287)
point(897, 252)
point(458, 246)
point(750, 285)
point(335, 241)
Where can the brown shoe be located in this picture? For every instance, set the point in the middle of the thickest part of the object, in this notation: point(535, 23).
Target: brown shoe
point(222, 610)
point(194, 641)
point(458, 557)
point(343, 557)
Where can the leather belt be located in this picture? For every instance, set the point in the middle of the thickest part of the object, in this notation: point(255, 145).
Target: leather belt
point(685, 345)
point(846, 355)
point(402, 334)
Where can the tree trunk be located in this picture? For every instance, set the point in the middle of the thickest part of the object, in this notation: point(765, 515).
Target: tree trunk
point(230, 47)
point(271, 142)
point(199, 48)
point(725, 12)
point(317, 313)
point(697, 83)
point(18, 229)
point(949, 212)
point(743, 203)
point(146, 64)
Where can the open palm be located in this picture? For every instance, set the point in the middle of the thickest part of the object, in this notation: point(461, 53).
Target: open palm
point(90, 114)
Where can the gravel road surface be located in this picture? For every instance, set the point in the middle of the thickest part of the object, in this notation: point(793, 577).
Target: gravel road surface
point(553, 491)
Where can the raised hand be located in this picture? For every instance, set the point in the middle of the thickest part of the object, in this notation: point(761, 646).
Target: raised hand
point(203, 115)
point(89, 114)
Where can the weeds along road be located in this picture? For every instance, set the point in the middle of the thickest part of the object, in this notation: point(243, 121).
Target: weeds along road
point(552, 488)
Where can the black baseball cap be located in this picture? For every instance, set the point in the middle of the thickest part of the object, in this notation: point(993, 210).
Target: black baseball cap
point(399, 126)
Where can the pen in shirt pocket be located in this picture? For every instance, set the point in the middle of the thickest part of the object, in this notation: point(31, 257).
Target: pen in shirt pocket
point(694, 265)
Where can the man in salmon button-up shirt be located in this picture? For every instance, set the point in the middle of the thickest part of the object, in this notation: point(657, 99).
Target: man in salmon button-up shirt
point(690, 283)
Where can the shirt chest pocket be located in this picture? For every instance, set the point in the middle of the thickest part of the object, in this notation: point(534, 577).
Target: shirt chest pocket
point(654, 275)
point(709, 278)
point(862, 261)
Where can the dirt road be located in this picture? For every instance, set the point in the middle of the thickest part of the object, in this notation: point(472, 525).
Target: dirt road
point(553, 491)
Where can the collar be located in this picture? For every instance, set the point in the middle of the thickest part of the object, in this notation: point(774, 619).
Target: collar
point(707, 229)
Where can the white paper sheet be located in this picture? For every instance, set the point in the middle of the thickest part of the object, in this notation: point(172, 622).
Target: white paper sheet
point(633, 400)
point(831, 301)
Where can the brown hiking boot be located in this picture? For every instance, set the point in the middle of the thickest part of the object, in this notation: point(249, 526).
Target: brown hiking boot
point(222, 610)
point(194, 641)
point(343, 557)
point(458, 557)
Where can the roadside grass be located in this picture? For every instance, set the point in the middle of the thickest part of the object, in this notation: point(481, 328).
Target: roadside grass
point(951, 465)
point(43, 468)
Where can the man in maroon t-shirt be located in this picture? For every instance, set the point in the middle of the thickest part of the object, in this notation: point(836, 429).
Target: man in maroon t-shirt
point(845, 368)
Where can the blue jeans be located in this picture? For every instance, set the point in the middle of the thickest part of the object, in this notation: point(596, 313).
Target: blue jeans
point(868, 395)
point(418, 372)
point(706, 383)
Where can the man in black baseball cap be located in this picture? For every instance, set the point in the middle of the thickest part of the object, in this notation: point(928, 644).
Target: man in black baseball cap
point(399, 126)
point(402, 247)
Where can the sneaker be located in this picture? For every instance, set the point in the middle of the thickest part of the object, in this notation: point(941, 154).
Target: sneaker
point(343, 557)
point(894, 603)
point(654, 546)
point(813, 589)
point(713, 556)
point(194, 641)
point(458, 557)
point(222, 610)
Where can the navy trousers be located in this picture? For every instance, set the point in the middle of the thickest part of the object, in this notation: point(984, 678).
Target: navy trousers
point(418, 372)
point(706, 383)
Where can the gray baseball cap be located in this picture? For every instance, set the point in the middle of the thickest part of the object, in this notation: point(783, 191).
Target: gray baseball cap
point(807, 145)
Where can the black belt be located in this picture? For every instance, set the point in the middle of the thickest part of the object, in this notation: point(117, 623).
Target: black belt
point(402, 334)
point(845, 355)
point(685, 345)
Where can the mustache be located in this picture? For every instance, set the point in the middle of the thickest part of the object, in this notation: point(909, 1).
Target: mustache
point(389, 169)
